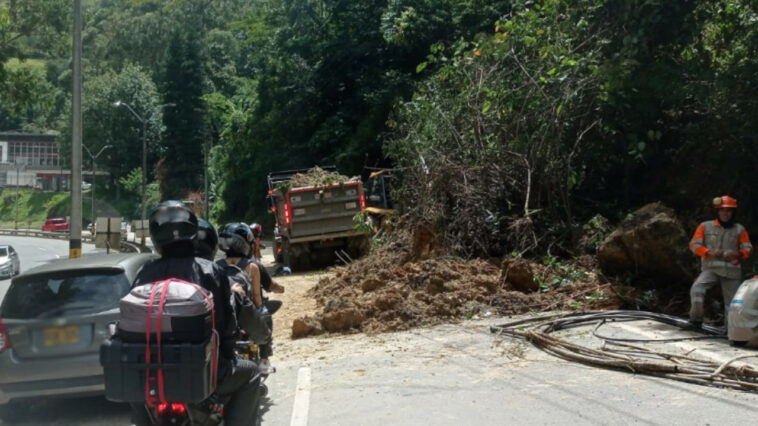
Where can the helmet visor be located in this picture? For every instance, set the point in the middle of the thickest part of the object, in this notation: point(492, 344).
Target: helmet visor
point(163, 216)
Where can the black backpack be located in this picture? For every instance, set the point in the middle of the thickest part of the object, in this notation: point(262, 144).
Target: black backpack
point(249, 318)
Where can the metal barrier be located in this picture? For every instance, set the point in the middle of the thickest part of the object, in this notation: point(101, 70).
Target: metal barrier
point(124, 246)
point(43, 234)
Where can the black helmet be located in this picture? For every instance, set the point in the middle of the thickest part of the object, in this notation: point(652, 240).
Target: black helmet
point(172, 222)
point(207, 240)
point(235, 238)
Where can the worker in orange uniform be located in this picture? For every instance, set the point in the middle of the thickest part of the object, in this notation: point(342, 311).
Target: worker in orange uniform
point(722, 245)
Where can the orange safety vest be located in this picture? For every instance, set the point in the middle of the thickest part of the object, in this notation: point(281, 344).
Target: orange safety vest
point(712, 236)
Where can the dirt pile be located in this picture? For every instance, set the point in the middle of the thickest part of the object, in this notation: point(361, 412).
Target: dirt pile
point(319, 177)
point(396, 288)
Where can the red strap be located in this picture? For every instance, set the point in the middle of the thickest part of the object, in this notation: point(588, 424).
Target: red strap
point(149, 399)
point(159, 332)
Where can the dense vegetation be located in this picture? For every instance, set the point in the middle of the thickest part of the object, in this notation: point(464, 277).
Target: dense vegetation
point(512, 122)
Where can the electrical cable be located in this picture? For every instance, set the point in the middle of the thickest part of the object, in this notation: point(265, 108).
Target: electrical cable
point(620, 354)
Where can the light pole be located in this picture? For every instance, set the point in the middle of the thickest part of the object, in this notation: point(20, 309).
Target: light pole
point(144, 154)
point(94, 175)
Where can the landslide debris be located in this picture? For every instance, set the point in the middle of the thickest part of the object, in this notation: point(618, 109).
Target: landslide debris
point(319, 177)
point(410, 282)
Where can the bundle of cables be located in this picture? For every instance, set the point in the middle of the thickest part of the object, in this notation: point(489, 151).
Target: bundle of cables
point(629, 354)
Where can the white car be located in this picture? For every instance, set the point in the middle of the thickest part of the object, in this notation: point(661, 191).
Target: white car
point(9, 263)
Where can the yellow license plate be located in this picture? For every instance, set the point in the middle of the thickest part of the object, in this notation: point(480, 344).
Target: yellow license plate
point(57, 336)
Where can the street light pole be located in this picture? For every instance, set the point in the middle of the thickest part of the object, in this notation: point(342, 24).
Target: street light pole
point(94, 176)
point(144, 155)
point(75, 238)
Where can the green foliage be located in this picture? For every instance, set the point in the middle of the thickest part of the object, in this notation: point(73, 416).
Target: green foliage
point(362, 223)
point(31, 208)
point(132, 182)
point(186, 126)
point(559, 274)
point(105, 124)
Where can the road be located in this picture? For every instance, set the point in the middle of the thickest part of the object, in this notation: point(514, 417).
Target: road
point(450, 375)
point(35, 251)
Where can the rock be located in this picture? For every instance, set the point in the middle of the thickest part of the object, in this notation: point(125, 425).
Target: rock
point(520, 273)
point(650, 243)
point(342, 320)
point(303, 327)
point(371, 284)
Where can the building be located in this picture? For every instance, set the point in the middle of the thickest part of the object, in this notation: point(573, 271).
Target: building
point(32, 160)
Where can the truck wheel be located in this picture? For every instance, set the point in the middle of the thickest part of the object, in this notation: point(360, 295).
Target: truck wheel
point(275, 249)
point(300, 257)
point(287, 253)
point(358, 247)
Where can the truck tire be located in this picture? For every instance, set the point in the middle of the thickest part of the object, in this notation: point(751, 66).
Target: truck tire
point(300, 257)
point(296, 256)
point(358, 246)
point(286, 254)
point(275, 249)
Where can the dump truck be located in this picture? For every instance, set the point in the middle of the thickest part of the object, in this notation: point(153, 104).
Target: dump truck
point(314, 224)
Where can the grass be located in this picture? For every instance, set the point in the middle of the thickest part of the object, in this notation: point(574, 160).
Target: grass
point(33, 207)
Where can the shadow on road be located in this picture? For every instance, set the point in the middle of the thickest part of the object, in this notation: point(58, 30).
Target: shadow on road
point(70, 412)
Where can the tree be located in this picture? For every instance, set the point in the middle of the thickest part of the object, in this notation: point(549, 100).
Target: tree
point(106, 124)
point(186, 128)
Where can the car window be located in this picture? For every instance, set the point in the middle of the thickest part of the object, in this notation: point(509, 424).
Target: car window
point(3, 251)
point(61, 293)
point(11, 250)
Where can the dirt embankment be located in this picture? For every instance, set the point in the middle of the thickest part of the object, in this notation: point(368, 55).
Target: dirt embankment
point(410, 282)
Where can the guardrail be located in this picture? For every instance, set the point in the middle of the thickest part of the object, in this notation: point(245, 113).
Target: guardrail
point(124, 246)
point(43, 234)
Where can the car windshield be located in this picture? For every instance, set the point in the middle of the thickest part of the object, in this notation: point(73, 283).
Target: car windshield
point(60, 293)
point(3, 251)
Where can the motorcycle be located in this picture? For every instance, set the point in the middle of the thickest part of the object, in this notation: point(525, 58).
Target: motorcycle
point(207, 413)
point(211, 411)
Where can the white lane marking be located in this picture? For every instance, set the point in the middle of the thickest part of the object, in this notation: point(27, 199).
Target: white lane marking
point(302, 398)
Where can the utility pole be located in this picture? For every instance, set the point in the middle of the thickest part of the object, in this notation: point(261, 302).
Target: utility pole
point(75, 239)
point(205, 194)
point(18, 170)
point(94, 176)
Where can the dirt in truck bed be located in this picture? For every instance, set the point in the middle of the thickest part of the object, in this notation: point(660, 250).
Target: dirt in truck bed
point(319, 177)
point(405, 284)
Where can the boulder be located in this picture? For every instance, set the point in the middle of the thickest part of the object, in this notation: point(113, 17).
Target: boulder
point(306, 326)
point(649, 243)
point(520, 274)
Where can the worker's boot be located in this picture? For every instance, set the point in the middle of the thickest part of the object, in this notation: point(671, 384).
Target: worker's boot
point(694, 325)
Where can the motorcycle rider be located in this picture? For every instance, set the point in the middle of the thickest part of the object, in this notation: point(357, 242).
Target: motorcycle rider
point(174, 232)
point(237, 240)
point(207, 240)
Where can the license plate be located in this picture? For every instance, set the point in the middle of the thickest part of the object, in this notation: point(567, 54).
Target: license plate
point(57, 336)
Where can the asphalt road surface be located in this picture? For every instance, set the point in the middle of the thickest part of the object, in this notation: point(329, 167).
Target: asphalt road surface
point(453, 375)
point(36, 251)
point(457, 374)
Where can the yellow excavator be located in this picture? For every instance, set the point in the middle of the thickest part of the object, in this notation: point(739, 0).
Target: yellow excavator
point(380, 206)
